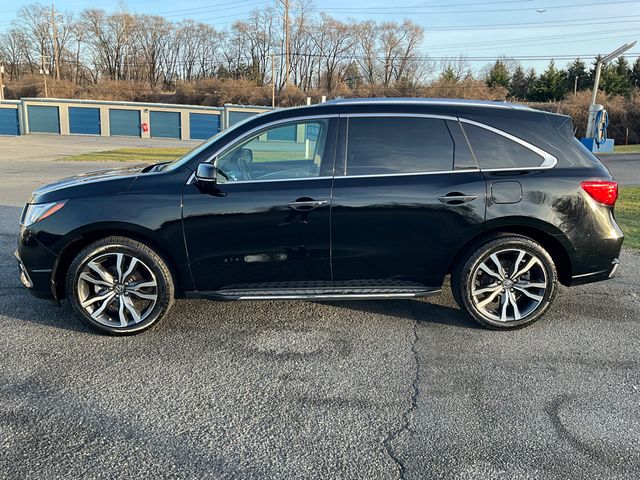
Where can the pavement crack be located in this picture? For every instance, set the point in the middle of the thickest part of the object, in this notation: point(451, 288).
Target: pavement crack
point(395, 433)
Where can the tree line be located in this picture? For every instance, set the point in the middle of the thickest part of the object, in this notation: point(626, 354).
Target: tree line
point(122, 46)
point(138, 57)
point(326, 54)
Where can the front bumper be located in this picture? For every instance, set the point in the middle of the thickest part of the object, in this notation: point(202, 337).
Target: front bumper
point(35, 265)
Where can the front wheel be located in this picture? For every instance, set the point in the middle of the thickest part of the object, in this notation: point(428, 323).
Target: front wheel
point(119, 286)
point(506, 283)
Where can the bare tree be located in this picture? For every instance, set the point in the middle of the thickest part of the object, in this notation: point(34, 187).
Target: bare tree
point(14, 52)
point(152, 35)
point(335, 47)
point(109, 38)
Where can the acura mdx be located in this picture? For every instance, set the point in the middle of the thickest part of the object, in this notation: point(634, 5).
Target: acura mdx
point(349, 199)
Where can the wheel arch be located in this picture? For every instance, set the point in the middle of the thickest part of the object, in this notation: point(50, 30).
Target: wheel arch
point(547, 235)
point(80, 239)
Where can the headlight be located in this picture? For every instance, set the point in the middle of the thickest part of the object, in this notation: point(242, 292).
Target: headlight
point(39, 211)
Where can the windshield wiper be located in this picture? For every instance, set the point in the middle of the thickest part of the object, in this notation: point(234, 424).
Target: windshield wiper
point(154, 167)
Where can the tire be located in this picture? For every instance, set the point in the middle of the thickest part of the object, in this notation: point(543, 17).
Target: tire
point(481, 287)
point(119, 286)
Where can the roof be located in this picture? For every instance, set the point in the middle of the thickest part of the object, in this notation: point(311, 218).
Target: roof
point(427, 101)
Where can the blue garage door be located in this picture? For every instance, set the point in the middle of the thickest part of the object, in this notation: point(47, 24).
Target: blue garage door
point(235, 117)
point(9, 122)
point(43, 119)
point(288, 133)
point(203, 126)
point(83, 120)
point(124, 123)
point(165, 124)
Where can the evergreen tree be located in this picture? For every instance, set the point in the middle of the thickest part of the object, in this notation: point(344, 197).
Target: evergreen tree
point(552, 85)
point(635, 73)
point(616, 78)
point(352, 75)
point(531, 78)
point(518, 85)
point(449, 75)
point(577, 70)
point(498, 75)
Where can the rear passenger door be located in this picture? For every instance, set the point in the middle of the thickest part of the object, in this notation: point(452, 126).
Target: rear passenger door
point(407, 195)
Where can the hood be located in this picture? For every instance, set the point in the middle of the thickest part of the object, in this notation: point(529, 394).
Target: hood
point(91, 183)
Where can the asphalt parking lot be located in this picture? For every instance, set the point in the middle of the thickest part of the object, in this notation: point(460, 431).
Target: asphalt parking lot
point(409, 389)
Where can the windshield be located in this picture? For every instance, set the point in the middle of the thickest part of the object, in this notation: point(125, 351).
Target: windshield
point(204, 145)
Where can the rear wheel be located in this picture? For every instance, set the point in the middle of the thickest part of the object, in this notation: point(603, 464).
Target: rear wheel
point(119, 286)
point(506, 283)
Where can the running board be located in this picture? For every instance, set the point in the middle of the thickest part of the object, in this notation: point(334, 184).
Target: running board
point(316, 294)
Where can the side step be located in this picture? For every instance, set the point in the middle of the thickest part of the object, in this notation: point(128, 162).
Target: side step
point(316, 293)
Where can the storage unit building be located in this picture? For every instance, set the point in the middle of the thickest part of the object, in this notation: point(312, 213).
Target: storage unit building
point(43, 119)
point(165, 124)
point(9, 121)
point(84, 120)
point(124, 123)
point(236, 116)
point(203, 125)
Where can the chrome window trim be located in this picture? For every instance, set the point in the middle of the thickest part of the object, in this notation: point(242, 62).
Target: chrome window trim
point(257, 129)
point(548, 160)
point(408, 174)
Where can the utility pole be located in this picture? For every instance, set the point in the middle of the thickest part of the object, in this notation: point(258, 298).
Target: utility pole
point(55, 40)
point(1, 82)
point(285, 3)
point(273, 81)
point(44, 71)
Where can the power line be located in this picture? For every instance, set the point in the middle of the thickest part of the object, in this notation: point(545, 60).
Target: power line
point(550, 24)
point(435, 12)
point(530, 41)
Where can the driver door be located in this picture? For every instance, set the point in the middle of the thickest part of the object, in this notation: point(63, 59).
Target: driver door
point(267, 227)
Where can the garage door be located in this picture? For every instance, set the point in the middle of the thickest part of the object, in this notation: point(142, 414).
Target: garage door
point(124, 123)
point(84, 120)
point(235, 117)
point(203, 126)
point(165, 124)
point(43, 119)
point(9, 123)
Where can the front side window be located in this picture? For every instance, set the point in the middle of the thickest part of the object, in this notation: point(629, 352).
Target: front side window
point(497, 151)
point(286, 151)
point(392, 145)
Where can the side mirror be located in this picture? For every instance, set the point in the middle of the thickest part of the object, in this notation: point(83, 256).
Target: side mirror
point(206, 174)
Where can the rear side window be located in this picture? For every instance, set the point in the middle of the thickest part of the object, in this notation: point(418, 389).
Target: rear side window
point(496, 151)
point(387, 145)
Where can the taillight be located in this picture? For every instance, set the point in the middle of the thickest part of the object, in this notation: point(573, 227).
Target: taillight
point(602, 191)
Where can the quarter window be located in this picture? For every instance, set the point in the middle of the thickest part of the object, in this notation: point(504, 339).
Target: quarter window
point(287, 151)
point(388, 145)
point(497, 151)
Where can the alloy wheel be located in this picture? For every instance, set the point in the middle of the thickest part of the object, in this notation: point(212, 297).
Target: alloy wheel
point(508, 285)
point(117, 290)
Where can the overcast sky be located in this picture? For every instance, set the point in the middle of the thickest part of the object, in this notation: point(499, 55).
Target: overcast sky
point(479, 29)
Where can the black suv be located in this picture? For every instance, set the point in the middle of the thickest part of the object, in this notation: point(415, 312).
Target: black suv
point(351, 199)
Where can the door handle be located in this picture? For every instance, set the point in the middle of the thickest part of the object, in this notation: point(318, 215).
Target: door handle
point(307, 204)
point(456, 198)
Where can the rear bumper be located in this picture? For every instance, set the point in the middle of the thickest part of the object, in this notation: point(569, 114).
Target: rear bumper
point(597, 276)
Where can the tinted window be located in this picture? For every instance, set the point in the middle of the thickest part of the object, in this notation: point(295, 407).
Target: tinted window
point(385, 145)
point(496, 151)
point(464, 159)
point(292, 150)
